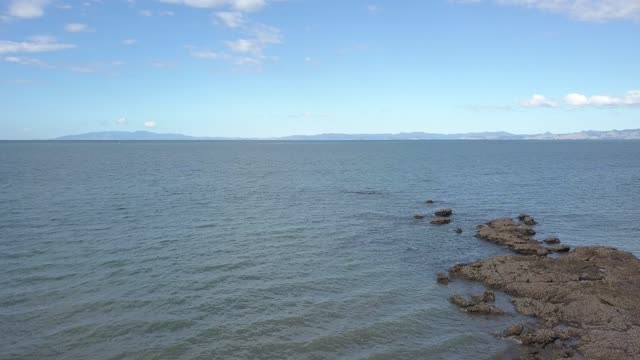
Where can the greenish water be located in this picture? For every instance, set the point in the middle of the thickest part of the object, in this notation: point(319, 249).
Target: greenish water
point(279, 250)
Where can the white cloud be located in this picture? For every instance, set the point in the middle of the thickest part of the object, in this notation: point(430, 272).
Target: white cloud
point(36, 44)
point(232, 19)
point(76, 27)
point(121, 121)
point(150, 124)
point(373, 9)
point(240, 5)
point(585, 10)
point(145, 13)
point(630, 98)
point(538, 100)
point(263, 36)
point(205, 54)
point(129, 42)
point(576, 99)
point(27, 9)
point(27, 61)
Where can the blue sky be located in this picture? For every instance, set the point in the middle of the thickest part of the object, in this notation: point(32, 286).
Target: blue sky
point(260, 68)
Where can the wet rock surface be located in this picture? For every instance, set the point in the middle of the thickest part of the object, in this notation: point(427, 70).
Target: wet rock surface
point(552, 240)
point(517, 237)
point(442, 278)
point(418, 216)
point(443, 212)
point(587, 300)
point(429, 202)
point(479, 304)
point(441, 221)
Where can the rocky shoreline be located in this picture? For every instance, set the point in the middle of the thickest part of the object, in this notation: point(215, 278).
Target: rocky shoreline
point(587, 300)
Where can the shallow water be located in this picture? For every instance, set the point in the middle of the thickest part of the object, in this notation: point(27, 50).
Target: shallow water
point(273, 250)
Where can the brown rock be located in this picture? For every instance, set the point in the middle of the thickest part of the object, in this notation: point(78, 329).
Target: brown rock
point(560, 248)
point(552, 240)
point(440, 221)
point(513, 330)
point(443, 212)
point(442, 278)
point(595, 289)
point(517, 237)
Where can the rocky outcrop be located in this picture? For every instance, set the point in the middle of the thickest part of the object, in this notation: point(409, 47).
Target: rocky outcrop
point(517, 237)
point(552, 240)
point(586, 300)
point(442, 278)
point(479, 304)
point(513, 330)
point(443, 212)
point(441, 221)
point(429, 202)
point(527, 219)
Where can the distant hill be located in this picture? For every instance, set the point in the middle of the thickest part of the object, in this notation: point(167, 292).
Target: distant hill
point(630, 134)
point(136, 135)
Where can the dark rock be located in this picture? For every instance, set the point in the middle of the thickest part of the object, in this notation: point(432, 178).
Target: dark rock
point(515, 236)
point(478, 304)
point(552, 240)
point(442, 278)
point(443, 212)
point(458, 231)
point(418, 216)
point(560, 248)
point(440, 221)
point(429, 202)
point(513, 330)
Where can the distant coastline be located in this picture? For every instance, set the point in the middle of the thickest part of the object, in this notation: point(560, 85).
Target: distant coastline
point(628, 134)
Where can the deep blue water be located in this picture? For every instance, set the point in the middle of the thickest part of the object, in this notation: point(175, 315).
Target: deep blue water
point(273, 250)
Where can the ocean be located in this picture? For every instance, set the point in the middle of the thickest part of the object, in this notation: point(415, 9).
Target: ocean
point(281, 250)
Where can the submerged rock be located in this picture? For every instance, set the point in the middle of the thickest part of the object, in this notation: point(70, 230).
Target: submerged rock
point(478, 304)
point(513, 330)
point(442, 278)
point(552, 240)
point(440, 221)
point(429, 202)
point(418, 216)
point(458, 231)
point(443, 212)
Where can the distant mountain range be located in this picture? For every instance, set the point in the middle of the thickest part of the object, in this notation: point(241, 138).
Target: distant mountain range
point(629, 134)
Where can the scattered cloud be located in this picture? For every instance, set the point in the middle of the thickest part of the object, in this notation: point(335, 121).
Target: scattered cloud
point(575, 100)
point(121, 121)
point(206, 54)
point(232, 19)
point(145, 13)
point(34, 45)
point(240, 5)
point(27, 61)
point(129, 42)
point(27, 9)
point(76, 27)
point(584, 10)
point(373, 9)
point(538, 100)
point(150, 124)
point(263, 36)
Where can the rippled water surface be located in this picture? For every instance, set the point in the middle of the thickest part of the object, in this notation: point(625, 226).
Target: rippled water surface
point(271, 250)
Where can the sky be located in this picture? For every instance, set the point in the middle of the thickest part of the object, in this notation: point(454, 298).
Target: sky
point(266, 68)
